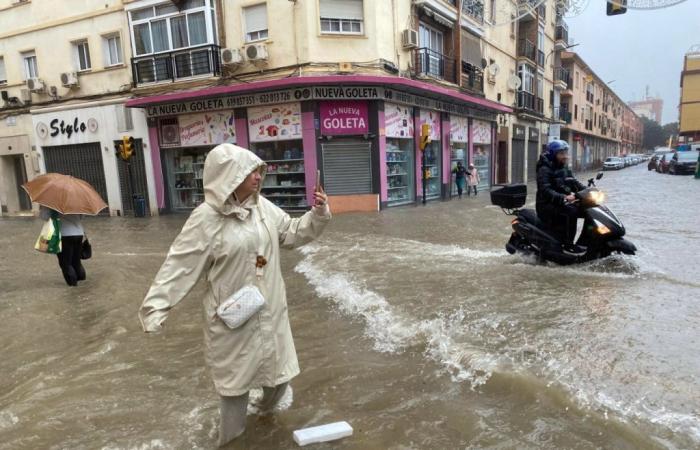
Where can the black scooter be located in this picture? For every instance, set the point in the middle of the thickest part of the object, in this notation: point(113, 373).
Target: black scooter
point(602, 232)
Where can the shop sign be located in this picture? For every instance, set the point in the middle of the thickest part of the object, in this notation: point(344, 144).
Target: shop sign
point(207, 129)
point(275, 123)
point(554, 131)
point(433, 119)
point(459, 129)
point(519, 132)
point(533, 133)
point(481, 132)
point(316, 93)
point(344, 117)
point(398, 121)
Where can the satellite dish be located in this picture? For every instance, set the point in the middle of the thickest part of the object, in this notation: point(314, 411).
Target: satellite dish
point(514, 82)
point(494, 69)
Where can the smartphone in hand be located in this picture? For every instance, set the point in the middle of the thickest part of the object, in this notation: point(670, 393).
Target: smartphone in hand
point(319, 188)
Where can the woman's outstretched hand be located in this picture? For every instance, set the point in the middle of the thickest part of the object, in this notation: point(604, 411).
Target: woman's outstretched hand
point(320, 198)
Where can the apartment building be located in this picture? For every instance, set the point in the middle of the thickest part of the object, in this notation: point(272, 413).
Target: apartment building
point(690, 98)
point(597, 123)
point(64, 79)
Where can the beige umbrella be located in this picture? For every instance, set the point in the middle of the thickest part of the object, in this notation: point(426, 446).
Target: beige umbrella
point(65, 194)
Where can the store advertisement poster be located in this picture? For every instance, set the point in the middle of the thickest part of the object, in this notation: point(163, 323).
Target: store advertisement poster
point(481, 132)
point(432, 118)
point(275, 123)
point(398, 121)
point(212, 128)
point(459, 129)
point(344, 117)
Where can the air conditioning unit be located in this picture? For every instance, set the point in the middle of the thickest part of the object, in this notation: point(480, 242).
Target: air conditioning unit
point(256, 52)
point(231, 56)
point(35, 85)
point(409, 38)
point(69, 79)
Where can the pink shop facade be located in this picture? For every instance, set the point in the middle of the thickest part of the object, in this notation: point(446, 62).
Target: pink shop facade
point(360, 132)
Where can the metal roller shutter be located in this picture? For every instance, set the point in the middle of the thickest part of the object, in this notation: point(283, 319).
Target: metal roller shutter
point(518, 166)
point(347, 168)
point(532, 156)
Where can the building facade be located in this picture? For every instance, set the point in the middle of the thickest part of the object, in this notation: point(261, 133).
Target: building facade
point(690, 98)
point(64, 79)
point(651, 108)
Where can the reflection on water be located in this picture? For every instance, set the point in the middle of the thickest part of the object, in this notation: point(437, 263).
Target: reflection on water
point(414, 325)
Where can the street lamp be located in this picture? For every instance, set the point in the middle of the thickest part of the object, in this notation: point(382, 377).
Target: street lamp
point(566, 48)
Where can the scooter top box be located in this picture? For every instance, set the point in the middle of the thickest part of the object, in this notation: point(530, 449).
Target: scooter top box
point(511, 196)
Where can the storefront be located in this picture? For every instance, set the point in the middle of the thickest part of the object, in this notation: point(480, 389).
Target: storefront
point(81, 141)
point(399, 154)
point(459, 146)
point(517, 173)
point(432, 155)
point(482, 151)
point(533, 152)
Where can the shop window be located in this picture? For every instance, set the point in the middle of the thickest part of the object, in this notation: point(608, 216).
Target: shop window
point(3, 74)
point(81, 51)
point(255, 22)
point(341, 16)
point(400, 164)
point(185, 167)
point(112, 46)
point(31, 68)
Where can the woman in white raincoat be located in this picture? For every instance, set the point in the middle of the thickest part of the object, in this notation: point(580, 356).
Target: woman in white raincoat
point(223, 239)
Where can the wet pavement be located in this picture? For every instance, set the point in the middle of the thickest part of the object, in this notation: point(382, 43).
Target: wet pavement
point(412, 324)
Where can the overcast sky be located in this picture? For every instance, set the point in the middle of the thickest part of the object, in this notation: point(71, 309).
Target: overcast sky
point(638, 48)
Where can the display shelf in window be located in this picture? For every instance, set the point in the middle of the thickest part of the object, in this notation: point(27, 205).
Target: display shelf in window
point(400, 170)
point(285, 181)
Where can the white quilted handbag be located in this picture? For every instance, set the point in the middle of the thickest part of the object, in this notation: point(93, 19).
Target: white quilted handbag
point(241, 306)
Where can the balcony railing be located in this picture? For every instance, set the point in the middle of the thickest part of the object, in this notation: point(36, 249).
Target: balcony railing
point(561, 32)
point(562, 74)
point(434, 64)
point(527, 49)
point(176, 65)
point(472, 77)
point(529, 102)
point(474, 9)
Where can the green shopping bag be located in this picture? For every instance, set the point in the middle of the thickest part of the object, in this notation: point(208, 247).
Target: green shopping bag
point(49, 240)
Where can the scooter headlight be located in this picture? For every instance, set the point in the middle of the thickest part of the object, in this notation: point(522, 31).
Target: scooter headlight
point(601, 229)
point(597, 197)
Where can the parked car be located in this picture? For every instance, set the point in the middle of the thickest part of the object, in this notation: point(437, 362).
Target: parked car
point(683, 163)
point(665, 162)
point(613, 163)
point(653, 163)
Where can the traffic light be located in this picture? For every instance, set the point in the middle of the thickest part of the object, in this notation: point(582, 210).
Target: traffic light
point(616, 7)
point(125, 148)
point(424, 136)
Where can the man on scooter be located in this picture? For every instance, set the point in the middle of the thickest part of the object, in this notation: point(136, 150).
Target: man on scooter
point(556, 185)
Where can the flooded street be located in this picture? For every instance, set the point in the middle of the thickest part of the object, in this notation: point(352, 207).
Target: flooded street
point(413, 324)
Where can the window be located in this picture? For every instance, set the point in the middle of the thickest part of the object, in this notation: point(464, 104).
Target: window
point(492, 11)
point(540, 39)
point(112, 46)
point(540, 86)
point(432, 41)
point(81, 51)
point(255, 18)
point(31, 69)
point(576, 80)
point(3, 75)
point(576, 112)
point(527, 76)
point(163, 27)
point(341, 16)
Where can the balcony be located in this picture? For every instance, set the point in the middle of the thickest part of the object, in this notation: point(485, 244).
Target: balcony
point(527, 49)
point(562, 78)
point(474, 9)
point(527, 10)
point(561, 114)
point(561, 36)
point(176, 65)
point(528, 103)
point(472, 78)
point(433, 64)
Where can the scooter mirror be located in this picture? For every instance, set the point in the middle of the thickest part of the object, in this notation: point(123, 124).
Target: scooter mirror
point(599, 176)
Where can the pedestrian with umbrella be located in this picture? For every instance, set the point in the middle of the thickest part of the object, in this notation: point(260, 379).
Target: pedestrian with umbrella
point(64, 200)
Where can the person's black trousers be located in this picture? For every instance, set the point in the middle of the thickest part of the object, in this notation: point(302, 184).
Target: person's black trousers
point(561, 220)
point(69, 259)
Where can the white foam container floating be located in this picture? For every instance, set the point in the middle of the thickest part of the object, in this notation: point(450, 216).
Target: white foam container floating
point(322, 433)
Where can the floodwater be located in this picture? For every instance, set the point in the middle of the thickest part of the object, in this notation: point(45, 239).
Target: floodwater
point(413, 324)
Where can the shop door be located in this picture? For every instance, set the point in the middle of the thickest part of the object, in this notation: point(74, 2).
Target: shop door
point(502, 162)
point(516, 174)
point(20, 178)
point(82, 161)
point(347, 167)
point(532, 157)
point(132, 178)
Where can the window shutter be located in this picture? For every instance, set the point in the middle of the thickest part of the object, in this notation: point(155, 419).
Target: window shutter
point(341, 9)
point(347, 168)
point(256, 18)
point(471, 49)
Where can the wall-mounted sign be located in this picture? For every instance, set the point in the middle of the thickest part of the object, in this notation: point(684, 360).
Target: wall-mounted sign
point(318, 93)
point(212, 128)
point(433, 119)
point(459, 129)
point(481, 132)
point(533, 133)
point(519, 132)
point(68, 129)
point(275, 123)
point(398, 121)
point(344, 117)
